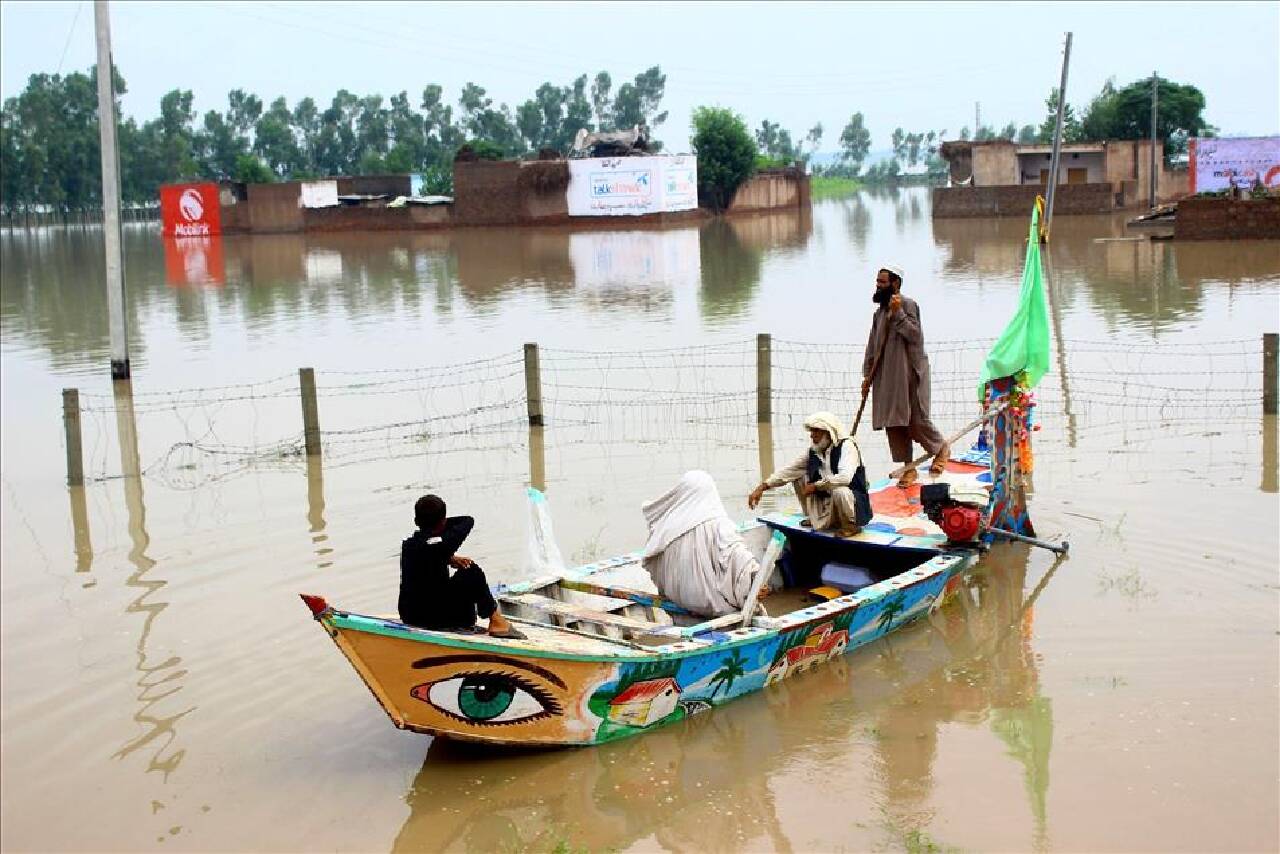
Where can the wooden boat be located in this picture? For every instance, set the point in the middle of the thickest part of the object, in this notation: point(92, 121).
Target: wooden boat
point(602, 661)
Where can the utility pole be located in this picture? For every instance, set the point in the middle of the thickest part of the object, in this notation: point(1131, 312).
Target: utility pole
point(111, 193)
point(1057, 144)
point(977, 119)
point(1155, 107)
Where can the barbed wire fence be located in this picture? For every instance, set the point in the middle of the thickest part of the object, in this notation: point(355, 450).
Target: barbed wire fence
point(694, 402)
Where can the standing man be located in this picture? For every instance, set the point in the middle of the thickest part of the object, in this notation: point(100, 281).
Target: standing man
point(897, 367)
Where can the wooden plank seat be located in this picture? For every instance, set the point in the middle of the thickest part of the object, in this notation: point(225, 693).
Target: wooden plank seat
point(640, 597)
point(565, 613)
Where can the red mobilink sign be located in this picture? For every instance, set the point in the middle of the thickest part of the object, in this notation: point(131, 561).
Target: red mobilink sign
point(190, 210)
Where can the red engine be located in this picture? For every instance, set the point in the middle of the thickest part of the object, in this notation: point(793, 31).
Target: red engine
point(961, 522)
point(959, 516)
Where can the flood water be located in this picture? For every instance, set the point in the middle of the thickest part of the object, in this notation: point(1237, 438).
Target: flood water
point(163, 688)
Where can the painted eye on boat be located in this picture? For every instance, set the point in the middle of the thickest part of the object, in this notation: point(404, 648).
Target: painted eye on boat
point(486, 698)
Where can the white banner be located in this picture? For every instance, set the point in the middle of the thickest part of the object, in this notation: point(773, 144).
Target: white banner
point(1217, 164)
point(318, 194)
point(630, 186)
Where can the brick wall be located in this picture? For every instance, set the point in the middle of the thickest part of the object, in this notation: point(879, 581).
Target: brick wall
point(274, 207)
point(354, 218)
point(1227, 219)
point(373, 185)
point(485, 192)
point(1017, 200)
point(771, 189)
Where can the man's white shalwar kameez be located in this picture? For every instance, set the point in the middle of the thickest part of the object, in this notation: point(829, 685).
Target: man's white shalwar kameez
point(832, 507)
point(694, 553)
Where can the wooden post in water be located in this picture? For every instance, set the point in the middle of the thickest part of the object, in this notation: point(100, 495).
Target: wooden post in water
point(310, 411)
point(111, 195)
point(71, 425)
point(1270, 372)
point(533, 384)
point(764, 378)
point(537, 459)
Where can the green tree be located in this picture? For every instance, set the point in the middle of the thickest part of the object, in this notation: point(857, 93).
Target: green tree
point(480, 120)
point(306, 124)
point(1126, 113)
point(251, 170)
point(726, 154)
point(601, 100)
point(774, 143)
point(274, 142)
point(1028, 134)
point(855, 143)
point(638, 102)
point(1071, 129)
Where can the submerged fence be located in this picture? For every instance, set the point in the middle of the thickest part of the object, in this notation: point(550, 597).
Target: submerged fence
point(1108, 391)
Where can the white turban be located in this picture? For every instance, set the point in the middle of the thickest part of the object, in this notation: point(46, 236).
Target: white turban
point(828, 422)
point(893, 268)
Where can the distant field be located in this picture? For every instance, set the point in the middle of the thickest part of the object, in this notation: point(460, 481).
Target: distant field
point(824, 187)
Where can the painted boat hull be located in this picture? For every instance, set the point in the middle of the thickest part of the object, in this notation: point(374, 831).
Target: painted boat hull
point(557, 688)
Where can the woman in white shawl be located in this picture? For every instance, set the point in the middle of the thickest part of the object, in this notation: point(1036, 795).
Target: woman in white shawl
point(695, 554)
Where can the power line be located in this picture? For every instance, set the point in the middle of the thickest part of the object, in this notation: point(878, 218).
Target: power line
point(70, 32)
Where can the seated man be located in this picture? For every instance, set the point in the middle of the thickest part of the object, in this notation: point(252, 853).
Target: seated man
point(828, 478)
point(433, 597)
point(695, 554)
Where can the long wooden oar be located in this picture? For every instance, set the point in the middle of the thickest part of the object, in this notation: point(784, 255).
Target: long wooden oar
point(951, 440)
point(875, 366)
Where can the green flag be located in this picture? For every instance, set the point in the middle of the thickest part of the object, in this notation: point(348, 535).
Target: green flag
point(1024, 344)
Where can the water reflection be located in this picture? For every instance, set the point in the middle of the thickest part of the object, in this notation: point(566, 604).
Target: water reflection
point(157, 681)
point(52, 293)
point(1129, 280)
point(80, 528)
point(708, 783)
point(1270, 454)
point(315, 510)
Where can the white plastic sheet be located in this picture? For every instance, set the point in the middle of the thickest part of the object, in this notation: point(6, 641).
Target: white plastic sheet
point(543, 555)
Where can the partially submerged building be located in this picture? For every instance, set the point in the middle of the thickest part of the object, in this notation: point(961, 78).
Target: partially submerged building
point(603, 191)
point(1002, 178)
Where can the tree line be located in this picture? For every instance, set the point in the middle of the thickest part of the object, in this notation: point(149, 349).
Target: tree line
point(1123, 113)
point(49, 143)
point(50, 152)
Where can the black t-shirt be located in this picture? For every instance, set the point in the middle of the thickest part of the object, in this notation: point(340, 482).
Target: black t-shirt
point(424, 572)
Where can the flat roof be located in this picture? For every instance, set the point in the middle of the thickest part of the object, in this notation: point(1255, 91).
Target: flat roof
point(1074, 147)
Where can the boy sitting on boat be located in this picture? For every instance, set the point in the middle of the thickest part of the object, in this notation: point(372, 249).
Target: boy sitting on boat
point(828, 478)
point(440, 589)
point(694, 553)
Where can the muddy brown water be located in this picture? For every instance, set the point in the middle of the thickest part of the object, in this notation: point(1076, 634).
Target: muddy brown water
point(163, 688)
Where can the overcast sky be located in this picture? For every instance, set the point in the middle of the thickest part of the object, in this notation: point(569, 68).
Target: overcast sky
point(918, 66)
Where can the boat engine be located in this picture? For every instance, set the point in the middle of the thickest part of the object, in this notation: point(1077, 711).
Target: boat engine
point(960, 515)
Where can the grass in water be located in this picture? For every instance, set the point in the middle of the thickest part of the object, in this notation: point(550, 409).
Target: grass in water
point(826, 187)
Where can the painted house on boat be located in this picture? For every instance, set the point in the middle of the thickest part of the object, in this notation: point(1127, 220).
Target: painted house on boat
point(821, 644)
point(645, 702)
point(1002, 178)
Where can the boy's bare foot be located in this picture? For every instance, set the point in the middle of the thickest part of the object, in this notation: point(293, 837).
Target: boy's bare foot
point(500, 627)
point(908, 477)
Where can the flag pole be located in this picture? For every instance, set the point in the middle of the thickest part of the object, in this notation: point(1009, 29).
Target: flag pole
point(1057, 145)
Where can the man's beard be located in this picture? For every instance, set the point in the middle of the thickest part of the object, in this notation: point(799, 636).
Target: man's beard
point(882, 295)
point(822, 446)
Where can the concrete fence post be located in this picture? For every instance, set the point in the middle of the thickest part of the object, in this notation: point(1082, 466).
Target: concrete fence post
point(764, 378)
point(1270, 372)
point(71, 425)
point(310, 411)
point(533, 385)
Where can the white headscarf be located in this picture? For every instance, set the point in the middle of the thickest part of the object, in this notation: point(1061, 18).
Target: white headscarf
point(828, 422)
point(689, 503)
